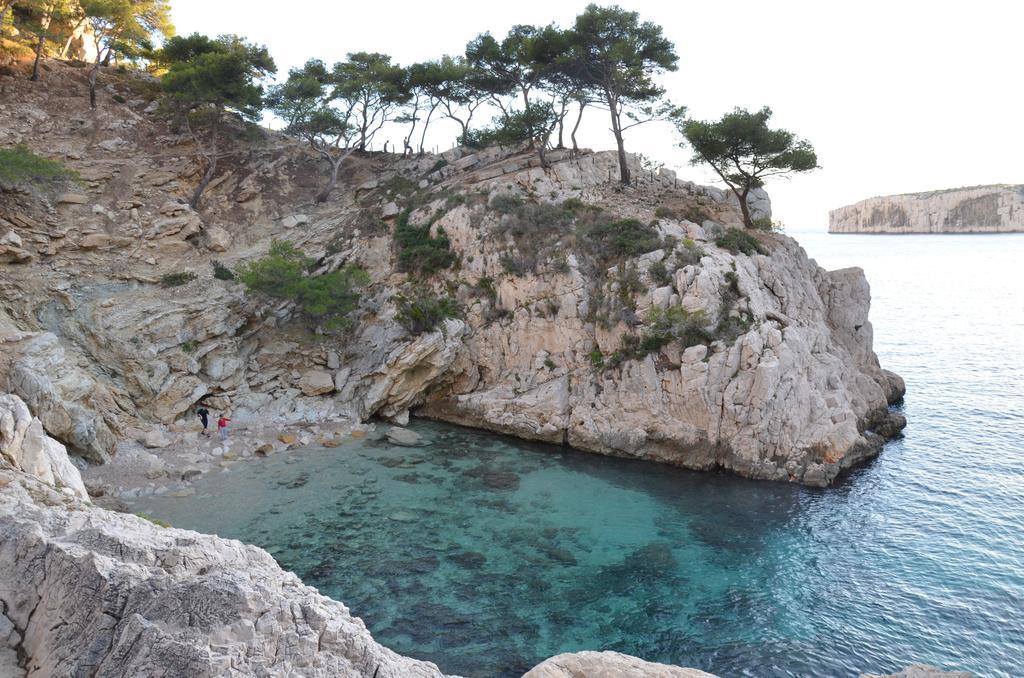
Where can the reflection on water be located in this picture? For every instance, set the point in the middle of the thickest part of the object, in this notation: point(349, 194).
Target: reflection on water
point(487, 555)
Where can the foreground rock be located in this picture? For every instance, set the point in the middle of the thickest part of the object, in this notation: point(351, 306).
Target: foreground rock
point(615, 665)
point(976, 209)
point(607, 665)
point(92, 592)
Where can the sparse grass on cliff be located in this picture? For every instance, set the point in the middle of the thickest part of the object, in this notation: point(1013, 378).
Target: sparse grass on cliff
point(738, 240)
point(177, 279)
point(18, 163)
point(422, 311)
point(420, 252)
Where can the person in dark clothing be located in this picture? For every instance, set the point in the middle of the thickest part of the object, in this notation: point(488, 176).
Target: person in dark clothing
point(204, 416)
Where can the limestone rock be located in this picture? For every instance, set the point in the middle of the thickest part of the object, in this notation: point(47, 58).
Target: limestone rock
point(293, 220)
point(72, 199)
point(217, 239)
point(403, 437)
point(24, 445)
point(188, 604)
point(389, 210)
point(607, 665)
point(977, 209)
point(316, 382)
point(156, 439)
point(72, 404)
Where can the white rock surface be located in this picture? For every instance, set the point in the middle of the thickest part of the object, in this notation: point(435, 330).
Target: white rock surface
point(607, 665)
point(25, 446)
point(976, 209)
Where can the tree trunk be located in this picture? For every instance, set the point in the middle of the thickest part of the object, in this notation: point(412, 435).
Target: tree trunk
point(211, 168)
point(93, 72)
point(745, 209)
point(67, 45)
point(3, 14)
point(426, 124)
point(572, 135)
point(332, 181)
point(39, 57)
point(617, 131)
point(325, 192)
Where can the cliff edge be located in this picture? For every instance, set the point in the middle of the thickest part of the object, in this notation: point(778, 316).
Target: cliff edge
point(975, 209)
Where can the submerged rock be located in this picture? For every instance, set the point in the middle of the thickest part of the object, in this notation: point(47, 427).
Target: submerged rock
point(610, 664)
point(403, 437)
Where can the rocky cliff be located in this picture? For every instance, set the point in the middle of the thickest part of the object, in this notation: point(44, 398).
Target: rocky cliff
point(630, 321)
point(976, 209)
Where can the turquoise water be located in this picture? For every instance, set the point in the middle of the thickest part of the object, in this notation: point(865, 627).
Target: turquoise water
point(486, 554)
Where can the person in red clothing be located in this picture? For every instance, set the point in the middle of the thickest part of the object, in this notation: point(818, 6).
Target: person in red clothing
point(222, 427)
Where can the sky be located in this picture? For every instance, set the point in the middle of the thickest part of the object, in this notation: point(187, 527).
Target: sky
point(897, 96)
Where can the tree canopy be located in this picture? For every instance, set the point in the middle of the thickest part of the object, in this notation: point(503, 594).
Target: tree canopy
point(743, 150)
point(208, 77)
point(617, 56)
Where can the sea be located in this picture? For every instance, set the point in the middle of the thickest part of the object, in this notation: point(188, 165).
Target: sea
point(486, 555)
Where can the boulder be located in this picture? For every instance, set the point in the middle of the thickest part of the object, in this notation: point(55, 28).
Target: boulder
point(316, 382)
point(293, 220)
point(389, 210)
point(403, 437)
point(217, 239)
point(25, 445)
point(94, 241)
point(607, 665)
point(155, 439)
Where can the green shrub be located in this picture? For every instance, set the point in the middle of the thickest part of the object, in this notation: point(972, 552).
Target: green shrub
point(441, 162)
point(662, 327)
point(486, 288)
point(766, 224)
point(659, 273)
point(422, 311)
point(696, 214)
point(596, 358)
point(513, 264)
point(610, 241)
point(664, 212)
point(399, 185)
point(283, 274)
point(190, 346)
point(559, 263)
point(222, 272)
point(549, 363)
point(690, 253)
point(506, 203)
point(738, 240)
point(18, 163)
point(177, 279)
point(119, 99)
point(420, 252)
